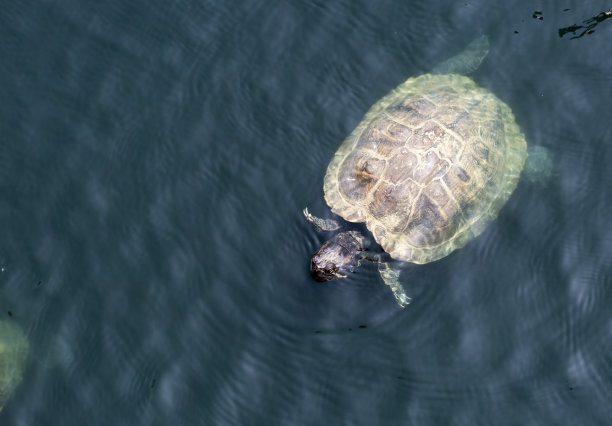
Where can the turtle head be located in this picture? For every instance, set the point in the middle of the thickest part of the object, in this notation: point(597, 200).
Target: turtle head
point(337, 257)
point(323, 270)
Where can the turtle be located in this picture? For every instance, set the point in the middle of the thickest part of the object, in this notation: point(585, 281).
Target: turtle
point(427, 169)
point(14, 349)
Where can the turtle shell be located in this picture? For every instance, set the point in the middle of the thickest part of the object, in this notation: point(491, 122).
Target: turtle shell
point(430, 165)
point(13, 354)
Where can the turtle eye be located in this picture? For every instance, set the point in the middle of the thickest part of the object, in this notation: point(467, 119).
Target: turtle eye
point(324, 272)
point(332, 271)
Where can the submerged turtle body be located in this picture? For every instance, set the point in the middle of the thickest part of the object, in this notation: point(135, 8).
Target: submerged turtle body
point(431, 164)
point(13, 353)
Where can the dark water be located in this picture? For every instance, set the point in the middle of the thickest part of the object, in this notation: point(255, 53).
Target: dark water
point(154, 161)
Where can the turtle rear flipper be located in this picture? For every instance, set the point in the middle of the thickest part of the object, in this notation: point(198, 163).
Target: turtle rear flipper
point(539, 165)
point(468, 60)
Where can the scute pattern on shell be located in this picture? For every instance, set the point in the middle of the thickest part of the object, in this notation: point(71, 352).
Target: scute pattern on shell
point(429, 167)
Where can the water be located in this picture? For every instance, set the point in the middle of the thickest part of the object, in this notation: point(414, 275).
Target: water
point(155, 158)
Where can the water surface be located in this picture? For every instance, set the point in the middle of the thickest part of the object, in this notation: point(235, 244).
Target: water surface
point(155, 158)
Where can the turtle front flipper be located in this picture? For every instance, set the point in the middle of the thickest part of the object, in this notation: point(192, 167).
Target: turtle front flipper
point(468, 60)
point(391, 277)
point(321, 224)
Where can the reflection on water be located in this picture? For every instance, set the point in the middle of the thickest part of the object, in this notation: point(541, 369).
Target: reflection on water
point(155, 162)
point(588, 27)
